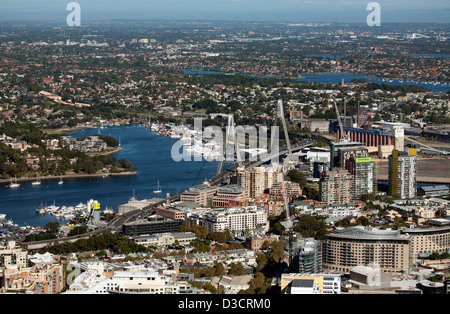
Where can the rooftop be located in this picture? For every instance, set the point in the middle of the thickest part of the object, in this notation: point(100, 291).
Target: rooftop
point(231, 189)
point(302, 283)
point(370, 233)
point(434, 188)
point(186, 205)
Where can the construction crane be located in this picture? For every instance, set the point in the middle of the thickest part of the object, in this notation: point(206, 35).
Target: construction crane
point(343, 138)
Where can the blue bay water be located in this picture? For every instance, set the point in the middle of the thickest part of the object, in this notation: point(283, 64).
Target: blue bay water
point(336, 78)
point(431, 56)
point(150, 152)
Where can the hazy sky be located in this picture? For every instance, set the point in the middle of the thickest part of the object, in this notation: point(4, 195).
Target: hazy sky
point(353, 11)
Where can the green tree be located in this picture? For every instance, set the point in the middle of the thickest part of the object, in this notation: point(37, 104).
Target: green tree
point(277, 251)
point(52, 227)
point(246, 291)
point(209, 287)
point(236, 269)
point(297, 176)
point(185, 226)
point(200, 231)
point(259, 283)
point(217, 237)
point(220, 269)
point(311, 226)
point(262, 260)
point(435, 256)
point(78, 230)
point(201, 248)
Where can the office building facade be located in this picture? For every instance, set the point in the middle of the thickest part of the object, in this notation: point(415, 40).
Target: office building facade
point(150, 225)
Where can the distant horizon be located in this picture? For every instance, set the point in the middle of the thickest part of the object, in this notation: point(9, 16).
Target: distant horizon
point(289, 11)
point(131, 20)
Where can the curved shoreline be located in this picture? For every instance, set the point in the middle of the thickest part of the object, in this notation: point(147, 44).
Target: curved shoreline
point(106, 152)
point(72, 176)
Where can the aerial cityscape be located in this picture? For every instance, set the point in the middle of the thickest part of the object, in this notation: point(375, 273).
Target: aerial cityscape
point(224, 155)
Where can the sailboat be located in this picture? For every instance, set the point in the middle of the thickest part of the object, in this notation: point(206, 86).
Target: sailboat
point(133, 198)
point(61, 181)
point(15, 184)
point(158, 190)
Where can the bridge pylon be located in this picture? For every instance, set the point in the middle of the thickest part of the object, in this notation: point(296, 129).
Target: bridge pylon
point(280, 115)
point(227, 151)
point(231, 139)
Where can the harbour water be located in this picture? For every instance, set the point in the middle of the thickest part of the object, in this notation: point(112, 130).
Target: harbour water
point(430, 56)
point(336, 78)
point(150, 152)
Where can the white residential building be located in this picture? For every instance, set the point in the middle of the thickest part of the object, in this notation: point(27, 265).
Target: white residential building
point(232, 284)
point(95, 280)
point(333, 210)
point(12, 255)
point(237, 219)
point(168, 238)
point(149, 282)
point(296, 283)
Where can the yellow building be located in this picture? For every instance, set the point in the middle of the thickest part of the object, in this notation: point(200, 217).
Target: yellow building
point(402, 173)
point(293, 283)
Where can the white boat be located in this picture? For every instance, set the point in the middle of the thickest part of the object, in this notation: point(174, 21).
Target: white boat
point(52, 208)
point(58, 214)
point(158, 190)
point(14, 185)
point(41, 209)
point(61, 181)
point(207, 150)
point(47, 209)
point(154, 128)
point(68, 216)
point(108, 210)
point(80, 206)
point(37, 182)
point(2, 216)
